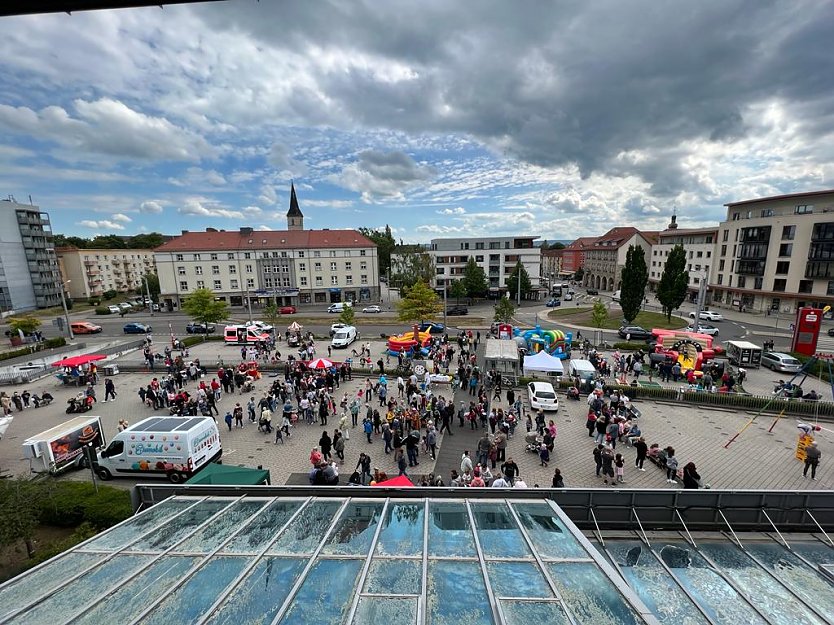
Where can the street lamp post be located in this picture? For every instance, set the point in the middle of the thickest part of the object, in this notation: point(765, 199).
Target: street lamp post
point(444, 302)
point(66, 311)
point(148, 291)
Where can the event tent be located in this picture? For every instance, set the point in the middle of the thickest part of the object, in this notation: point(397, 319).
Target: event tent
point(543, 362)
point(228, 475)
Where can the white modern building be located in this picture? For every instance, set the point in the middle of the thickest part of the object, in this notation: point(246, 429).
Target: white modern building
point(29, 276)
point(776, 253)
point(699, 245)
point(91, 272)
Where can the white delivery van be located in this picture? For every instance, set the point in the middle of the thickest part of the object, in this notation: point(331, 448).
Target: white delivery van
point(616, 296)
point(244, 335)
point(338, 307)
point(172, 447)
point(744, 354)
point(62, 448)
point(344, 336)
point(584, 370)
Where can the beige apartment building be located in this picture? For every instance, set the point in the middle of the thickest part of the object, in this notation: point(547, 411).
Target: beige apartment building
point(776, 253)
point(699, 244)
point(92, 272)
point(605, 257)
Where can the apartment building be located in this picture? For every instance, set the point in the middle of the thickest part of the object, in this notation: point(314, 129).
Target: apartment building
point(776, 253)
point(573, 256)
point(496, 255)
point(90, 272)
point(289, 267)
point(699, 244)
point(551, 266)
point(606, 256)
point(29, 276)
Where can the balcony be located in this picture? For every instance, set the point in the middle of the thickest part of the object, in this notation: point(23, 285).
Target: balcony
point(32, 255)
point(90, 263)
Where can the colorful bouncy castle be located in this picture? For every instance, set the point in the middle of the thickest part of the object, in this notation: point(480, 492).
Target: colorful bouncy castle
point(691, 350)
point(410, 343)
point(554, 342)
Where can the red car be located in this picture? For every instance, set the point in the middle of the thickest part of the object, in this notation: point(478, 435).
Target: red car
point(287, 310)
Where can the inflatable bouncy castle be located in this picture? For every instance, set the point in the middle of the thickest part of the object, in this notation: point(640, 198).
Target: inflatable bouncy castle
point(687, 348)
point(554, 342)
point(410, 343)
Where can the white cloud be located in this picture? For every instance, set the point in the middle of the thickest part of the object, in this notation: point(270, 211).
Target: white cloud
point(203, 207)
point(121, 217)
point(103, 224)
point(452, 211)
point(329, 203)
point(150, 207)
point(383, 175)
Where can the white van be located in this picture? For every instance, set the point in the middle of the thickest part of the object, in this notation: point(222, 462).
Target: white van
point(172, 447)
point(338, 307)
point(584, 370)
point(616, 296)
point(344, 336)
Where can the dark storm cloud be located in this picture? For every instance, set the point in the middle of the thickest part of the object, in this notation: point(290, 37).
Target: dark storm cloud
point(563, 83)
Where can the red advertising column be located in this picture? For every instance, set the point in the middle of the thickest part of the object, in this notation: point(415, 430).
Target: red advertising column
point(806, 330)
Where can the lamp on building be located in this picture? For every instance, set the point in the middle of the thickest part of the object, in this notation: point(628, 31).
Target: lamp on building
point(66, 311)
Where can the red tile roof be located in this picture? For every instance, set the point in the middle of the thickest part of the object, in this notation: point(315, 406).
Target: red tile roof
point(581, 242)
point(265, 239)
point(617, 237)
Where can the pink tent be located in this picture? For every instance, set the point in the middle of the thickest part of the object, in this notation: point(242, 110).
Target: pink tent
point(401, 481)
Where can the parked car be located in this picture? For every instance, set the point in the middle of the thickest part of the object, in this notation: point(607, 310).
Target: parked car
point(344, 337)
point(704, 328)
point(155, 307)
point(542, 396)
point(372, 309)
point(84, 327)
point(125, 306)
point(708, 315)
point(338, 307)
point(568, 296)
point(635, 333)
point(457, 311)
point(592, 291)
point(136, 328)
point(287, 310)
point(777, 361)
point(432, 327)
point(200, 328)
point(830, 331)
point(335, 327)
point(553, 302)
point(114, 309)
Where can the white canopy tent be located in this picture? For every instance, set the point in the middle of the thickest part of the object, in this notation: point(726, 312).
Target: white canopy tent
point(543, 362)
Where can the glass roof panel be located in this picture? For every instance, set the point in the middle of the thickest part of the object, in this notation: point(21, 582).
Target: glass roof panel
point(171, 533)
point(191, 600)
point(530, 612)
point(653, 585)
point(498, 532)
point(255, 536)
point(457, 594)
point(29, 587)
point(518, 579)
point(386, 610)
point(402, 577)
point(140, 592)
point(402, 531)
point(259, 596)
point(324, 597)
point(87, 588)
point(307, 529)
point(718, 598)
point(590, 595)
point(770, 597)
point(210, 537)
point(118, 537)
point(449, 531)
point(547, 532)
point(354, 532)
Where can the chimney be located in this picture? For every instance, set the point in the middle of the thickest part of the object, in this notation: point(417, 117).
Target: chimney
point(246, 232)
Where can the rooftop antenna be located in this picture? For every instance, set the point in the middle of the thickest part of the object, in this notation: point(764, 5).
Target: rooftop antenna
point(30, 200)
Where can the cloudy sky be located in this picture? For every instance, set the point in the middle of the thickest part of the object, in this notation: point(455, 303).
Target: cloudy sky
point(559, 119)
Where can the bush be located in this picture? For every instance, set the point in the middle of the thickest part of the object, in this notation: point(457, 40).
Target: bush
point(110, 294)
point(631, 346)
point(69, 504)
point(52, 549)
point(102, 310)
point(58, 341)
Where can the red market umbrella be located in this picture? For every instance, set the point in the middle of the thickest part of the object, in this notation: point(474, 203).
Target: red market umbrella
point(77, 361)
point(320, 363)
point(400, 481)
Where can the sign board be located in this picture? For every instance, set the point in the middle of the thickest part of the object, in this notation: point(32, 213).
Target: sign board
point(806, 330)
point(802, 445)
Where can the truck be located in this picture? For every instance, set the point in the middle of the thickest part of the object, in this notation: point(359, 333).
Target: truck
point(744, 354)
point(172, 447)
point(61, 448)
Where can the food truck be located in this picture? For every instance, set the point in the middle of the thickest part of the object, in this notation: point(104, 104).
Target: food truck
point(62, 448)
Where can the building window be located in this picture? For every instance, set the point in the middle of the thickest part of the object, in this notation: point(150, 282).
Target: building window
point(758, 283)
point(230, 256)
point(785, 249)
point(788, 233)
point(316, 254)
point(332, 266)
point(201, 284)
point(363, 265)
point(726, 235)
point(233, 285)
point(723, 250)
point(198, 270)
point(782, 267)
point(334, 280)
point(232, 269)
point(775, 303)
point(213, 257)
point(247, 255)
point(267, 282)
point(318, 281)
point(780, 284)
point(700, 255)
point(268, 269)
point(348, 279)
point(362, 252)
point(301, 253)
point(363, 278)
point(709, 254)
point(804, 209)
point(180, 271)
point(830, 289)
point(479, 245)
point(317, 266)
point(196, 257)
point(720, 278)
point(767, 212)
point(283, 254)
point(347, 252)
point(248, 268)
point(215, 270)
point(332, 253)
point(720, 265)
point(183, 285)
point(806, 286)
point(740, 282)
point(179, 257)
point(250, 283)
point(348, 265)
point(285, 281)
point(302, 266)
point(303, 280)
point(217, 284)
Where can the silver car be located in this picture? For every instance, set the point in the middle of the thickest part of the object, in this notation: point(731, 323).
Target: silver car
point(778, 361)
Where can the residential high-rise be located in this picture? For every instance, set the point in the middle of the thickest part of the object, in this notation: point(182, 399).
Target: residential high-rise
point(92, 272)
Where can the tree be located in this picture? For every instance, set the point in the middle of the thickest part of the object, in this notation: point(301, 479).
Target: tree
point(474, 279)
point(580, 273)
point(145, 241)
point(108, 242)
point(271, 314)
point(20, 502)
point(512, 281)
point(457, 290)
point(674, 281)
point(153, 286)
point(419, 304)
point(385, 244)
point(413, 267)
point(599, 315)
point(504, 310)
point(27, 325)
point(202, 306)
point(633, 279)
point(347, 315)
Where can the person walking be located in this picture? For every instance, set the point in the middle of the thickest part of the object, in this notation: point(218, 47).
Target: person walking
point(109, 389)
point(642, 450)
point(671, 465)
point(368, 426)
point(812, 459)
point(691, 479)
point(431, 442)
point(326, 444)
point(465, 462)
point(339, 445)
point(598, 457)
point(558, 481)
point(619, 468)
point(228, 419)
point(238, 415)
point(364, 466)
point(608, 464)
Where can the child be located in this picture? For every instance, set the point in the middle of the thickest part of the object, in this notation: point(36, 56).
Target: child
point(544, 454)
point(619, 468)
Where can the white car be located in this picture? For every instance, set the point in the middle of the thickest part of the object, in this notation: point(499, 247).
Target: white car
point(335, 327)
point(542, 396)
point(704, 328)
point(708, 315)
point(261, 326)
point(125, 306)
point(372, 309)
point(114, 309)
point(568, 297)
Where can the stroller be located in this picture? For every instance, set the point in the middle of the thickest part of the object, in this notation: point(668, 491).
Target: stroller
point(532, 442)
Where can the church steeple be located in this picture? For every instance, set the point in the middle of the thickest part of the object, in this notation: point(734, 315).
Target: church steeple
point(673, 225)
point(295, 218)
